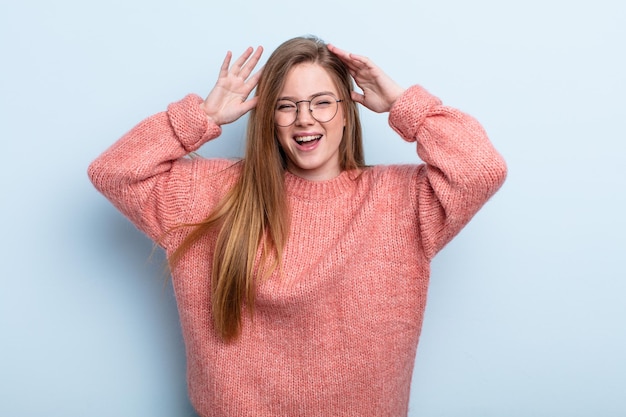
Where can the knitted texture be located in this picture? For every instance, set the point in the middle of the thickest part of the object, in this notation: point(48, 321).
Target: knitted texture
point(335, 334)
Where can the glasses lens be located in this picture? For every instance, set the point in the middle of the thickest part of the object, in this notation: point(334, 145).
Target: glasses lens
point(323, 108)
point(285, 113)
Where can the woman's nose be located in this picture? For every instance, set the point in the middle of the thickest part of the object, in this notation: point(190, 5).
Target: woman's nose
point(304, 115)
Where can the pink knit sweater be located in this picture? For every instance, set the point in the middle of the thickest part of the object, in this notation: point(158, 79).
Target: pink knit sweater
point(336, 334)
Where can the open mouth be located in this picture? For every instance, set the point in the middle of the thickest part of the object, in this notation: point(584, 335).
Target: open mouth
point(307, 140)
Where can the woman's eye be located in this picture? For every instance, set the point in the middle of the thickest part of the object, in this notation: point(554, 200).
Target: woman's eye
point(322, 102)
point(285, 107)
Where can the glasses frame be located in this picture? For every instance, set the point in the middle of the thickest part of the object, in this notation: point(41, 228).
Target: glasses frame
point(297, 104)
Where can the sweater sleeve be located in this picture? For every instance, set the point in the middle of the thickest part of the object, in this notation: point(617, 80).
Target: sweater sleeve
point(145, 173)
point(462, 169)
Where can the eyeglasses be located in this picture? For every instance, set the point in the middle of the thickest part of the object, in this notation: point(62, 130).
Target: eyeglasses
point(323, 108)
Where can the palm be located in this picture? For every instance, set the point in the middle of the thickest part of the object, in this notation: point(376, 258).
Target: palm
point(228, 100)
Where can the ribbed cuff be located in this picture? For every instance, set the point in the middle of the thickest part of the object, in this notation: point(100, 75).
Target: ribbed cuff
point(410, 110)
point(191, 124)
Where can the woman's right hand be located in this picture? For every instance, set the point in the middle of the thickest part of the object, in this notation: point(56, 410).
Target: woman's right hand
point(228, 100)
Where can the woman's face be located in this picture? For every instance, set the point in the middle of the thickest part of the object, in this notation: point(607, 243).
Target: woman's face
point(311, 146)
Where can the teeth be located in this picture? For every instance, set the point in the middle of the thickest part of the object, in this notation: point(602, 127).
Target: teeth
point(302, 139)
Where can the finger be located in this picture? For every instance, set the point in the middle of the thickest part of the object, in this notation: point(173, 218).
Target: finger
point(250, 85)
point(254, 80)
point(360, 62)
point(238, 64)
point(225, 64)
point(343, 55)
point(348, 57)
point(249, 104)
point(354, 67)
point(358, 97)
point(247, 68)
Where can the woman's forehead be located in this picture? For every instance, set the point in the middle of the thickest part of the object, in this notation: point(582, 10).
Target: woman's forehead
point(306, 80)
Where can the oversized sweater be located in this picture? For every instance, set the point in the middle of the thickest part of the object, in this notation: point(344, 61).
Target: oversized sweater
point(335, 331)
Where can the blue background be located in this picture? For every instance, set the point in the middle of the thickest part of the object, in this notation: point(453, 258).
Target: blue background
point(526, 315)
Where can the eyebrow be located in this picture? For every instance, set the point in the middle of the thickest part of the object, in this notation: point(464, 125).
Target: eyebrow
point(321, 93)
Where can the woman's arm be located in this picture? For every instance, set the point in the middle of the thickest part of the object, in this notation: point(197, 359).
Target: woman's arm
point(145, 174)
point(145, 171)
point(462, 169)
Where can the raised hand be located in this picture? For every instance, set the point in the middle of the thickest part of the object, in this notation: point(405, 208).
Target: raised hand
point(228, 100)
point(379, 90)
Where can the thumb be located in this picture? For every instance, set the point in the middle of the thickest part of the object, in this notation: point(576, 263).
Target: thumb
point(250, 104)
point(358, 97)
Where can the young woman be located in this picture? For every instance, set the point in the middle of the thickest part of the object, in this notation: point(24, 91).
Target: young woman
point(300, 273)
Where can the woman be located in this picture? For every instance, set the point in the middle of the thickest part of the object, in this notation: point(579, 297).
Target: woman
point(300, 273)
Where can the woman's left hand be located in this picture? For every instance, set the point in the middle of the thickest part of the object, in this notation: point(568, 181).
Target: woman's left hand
point(379, 90)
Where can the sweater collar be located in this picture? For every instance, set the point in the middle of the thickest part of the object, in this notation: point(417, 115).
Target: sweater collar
point(320, 190)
